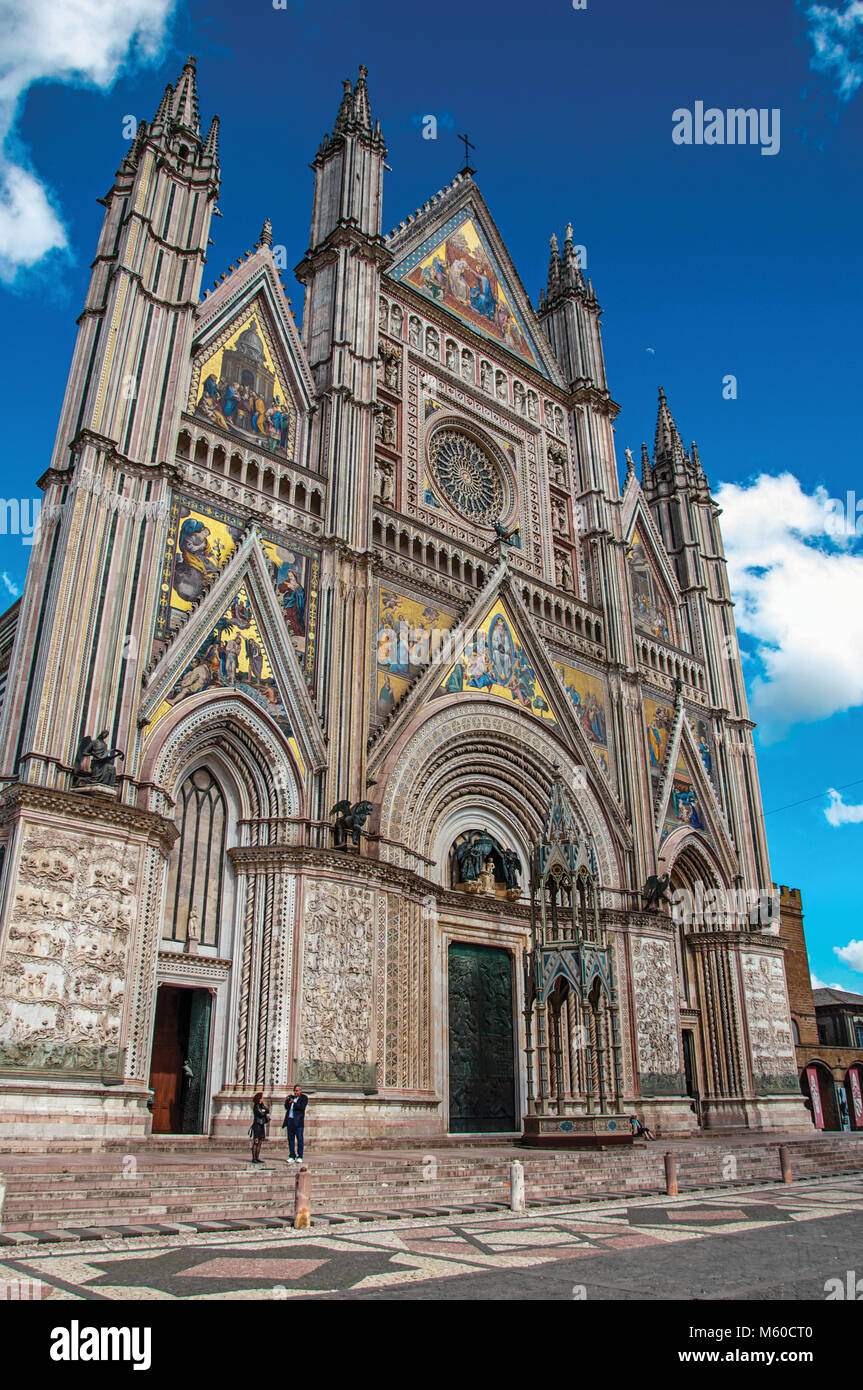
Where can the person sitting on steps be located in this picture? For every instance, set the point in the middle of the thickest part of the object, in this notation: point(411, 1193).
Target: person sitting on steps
point(639, 1129)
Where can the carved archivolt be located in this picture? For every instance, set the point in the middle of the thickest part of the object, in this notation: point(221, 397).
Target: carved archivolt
point(485, 754)
point(233, 731)
point(654, 992)
point(63, 985)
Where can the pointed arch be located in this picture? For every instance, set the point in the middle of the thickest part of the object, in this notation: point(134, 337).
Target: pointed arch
point(461, 758)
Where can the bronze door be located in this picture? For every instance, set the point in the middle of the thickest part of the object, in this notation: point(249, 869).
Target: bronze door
point(481, 1040)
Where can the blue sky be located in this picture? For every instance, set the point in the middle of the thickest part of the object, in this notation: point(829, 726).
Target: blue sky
point(709, 261)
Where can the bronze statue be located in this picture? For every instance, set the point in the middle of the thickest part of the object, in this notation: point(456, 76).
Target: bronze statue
point(654, 890)
point(511, 868)
point(101, 772)
point(349, 819)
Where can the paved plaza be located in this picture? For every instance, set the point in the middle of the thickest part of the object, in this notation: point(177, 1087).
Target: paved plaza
point(763, 1243)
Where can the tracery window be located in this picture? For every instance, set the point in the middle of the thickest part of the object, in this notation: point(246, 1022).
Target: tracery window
point(195, 884)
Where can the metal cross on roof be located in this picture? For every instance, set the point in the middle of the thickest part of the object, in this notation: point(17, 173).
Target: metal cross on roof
point(467, 147)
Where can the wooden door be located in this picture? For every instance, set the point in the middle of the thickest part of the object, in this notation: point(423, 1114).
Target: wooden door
point(170, 1038)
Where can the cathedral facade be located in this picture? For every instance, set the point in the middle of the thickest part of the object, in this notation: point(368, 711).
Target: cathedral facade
point(325, 635)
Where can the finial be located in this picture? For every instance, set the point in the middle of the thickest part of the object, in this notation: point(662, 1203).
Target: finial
point(630, 464)
point(553, 241)
point(568, 233)
point(266, 238)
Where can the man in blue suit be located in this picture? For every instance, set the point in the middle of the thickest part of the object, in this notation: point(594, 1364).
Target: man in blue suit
point(295, 1116)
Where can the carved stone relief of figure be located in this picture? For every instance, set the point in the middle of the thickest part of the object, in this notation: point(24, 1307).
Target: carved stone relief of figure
point(501, 386)
point(396, 321)
point(562, 570)
point(467, 365)
point(452, 357)
point(532, 405)
point(519, 397)
point(384, 482)
point(656, 1020)
point(414, 332)
point(63, 984)
point(485, 376)
point(432, 345)
point(388, 425)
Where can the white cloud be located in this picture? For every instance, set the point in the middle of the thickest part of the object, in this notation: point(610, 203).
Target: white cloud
point(852, 954)
point(838, 813)
point(836, 32)
point(80, 42)
point(797, 579)
point(10, 584)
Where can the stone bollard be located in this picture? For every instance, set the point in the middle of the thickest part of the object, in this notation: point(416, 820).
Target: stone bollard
point(516, 1185)
point(2, 1198)
point(303, 1200)
point(671, 1175)
point(785, 1163)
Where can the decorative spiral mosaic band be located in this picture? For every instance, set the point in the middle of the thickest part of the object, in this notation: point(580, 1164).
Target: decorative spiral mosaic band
point(467, 476)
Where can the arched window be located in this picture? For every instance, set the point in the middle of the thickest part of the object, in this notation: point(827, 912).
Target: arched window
point(195, 882)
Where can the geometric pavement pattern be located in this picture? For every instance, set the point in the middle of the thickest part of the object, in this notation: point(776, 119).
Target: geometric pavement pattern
point(395, 1254)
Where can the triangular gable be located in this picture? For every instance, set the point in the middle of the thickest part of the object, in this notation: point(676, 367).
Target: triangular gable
point(236, 641)
point(508, 662)
point(655, 593)
point(456, 259)
point(688, 801)
point(249, 373)
point(202, 538)
point(495, 663)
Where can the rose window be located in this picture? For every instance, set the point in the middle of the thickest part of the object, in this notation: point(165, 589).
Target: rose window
point(468, 478)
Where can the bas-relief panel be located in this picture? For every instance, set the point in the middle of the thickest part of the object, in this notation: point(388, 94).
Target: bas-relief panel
point(63, 983)
point(771, 1043)
point(201, 540)
point(408, 637)
point(240, 388)
point(494, 663)
point(338, 973)
point(587, 697)
point(650, 608)
point(456, 268)
point(654, 992)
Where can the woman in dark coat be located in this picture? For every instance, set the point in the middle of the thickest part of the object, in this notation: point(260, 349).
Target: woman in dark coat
point(258, 1127)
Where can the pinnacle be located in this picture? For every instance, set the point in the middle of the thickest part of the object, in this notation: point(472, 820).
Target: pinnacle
point(211, 145)
point(266, 237)
point(667, 442)
point(185, 104)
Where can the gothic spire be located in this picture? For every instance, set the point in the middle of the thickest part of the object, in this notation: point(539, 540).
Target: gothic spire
point(554, 267)
point(211, 144)
point(572, 276)
point(266, 237)
point(346, 109)
point(646, 467)
point(668, 446)
point(362, 110)
point(185, 104)
point(164, 108)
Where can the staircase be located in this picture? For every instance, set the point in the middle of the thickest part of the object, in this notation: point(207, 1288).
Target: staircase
point(200, 1188)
